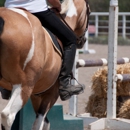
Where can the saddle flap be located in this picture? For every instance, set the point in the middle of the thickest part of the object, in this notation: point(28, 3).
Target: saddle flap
point(56, 42)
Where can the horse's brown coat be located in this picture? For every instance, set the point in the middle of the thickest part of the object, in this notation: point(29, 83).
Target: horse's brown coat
point(16, 43)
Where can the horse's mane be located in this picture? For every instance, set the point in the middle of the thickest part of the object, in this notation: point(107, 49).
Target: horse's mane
point(65, 6)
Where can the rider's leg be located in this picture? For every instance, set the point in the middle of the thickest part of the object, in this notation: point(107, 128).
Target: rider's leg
point(66, 88)
point(50, 21)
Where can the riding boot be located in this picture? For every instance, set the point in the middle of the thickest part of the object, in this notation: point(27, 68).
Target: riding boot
point(66, 89)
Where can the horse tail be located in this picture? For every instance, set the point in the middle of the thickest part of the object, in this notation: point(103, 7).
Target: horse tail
point(1, 30)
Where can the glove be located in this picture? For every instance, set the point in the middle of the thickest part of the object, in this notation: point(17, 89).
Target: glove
point(56, 5)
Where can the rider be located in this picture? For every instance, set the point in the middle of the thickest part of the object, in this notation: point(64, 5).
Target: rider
point(49, 20)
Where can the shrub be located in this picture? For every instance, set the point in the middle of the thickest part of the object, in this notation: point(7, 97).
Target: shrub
point(104, 40)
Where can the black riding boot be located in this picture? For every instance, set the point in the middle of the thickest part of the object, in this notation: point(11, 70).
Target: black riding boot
point(66, 89)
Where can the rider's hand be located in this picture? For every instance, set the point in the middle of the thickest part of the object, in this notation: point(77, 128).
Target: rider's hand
point(56, 5)
point(56, 10)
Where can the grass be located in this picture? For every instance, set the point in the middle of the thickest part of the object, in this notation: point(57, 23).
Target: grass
point(104, 40)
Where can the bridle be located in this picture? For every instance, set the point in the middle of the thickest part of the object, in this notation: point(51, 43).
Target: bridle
point(87, 12)
point(80, 38)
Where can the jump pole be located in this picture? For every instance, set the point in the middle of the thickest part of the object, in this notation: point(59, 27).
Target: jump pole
point(99, 62)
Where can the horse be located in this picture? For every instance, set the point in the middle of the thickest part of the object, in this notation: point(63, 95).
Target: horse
point(29, 61)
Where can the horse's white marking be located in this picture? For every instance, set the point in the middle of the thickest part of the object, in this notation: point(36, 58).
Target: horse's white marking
point(19, 11)
point(13, 106)
point(31, 51)
point(30, 54)
point(72, 9)
point(68, 8)
point(39, 122)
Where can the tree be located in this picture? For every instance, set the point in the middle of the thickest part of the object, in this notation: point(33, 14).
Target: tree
point(2, 2)
point(103, 5)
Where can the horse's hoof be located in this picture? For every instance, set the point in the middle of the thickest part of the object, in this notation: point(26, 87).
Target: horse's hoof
point(2, 127)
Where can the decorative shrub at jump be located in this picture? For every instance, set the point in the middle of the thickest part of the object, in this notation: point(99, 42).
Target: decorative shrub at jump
point(98, 99)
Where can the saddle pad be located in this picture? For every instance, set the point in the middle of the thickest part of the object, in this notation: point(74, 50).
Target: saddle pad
point(55, 42)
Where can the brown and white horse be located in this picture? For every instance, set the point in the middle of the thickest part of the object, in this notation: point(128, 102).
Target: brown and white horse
point(30, 63)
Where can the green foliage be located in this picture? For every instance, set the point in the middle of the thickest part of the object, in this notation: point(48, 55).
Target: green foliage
point(104, 40)
point(2, 2)
point(103, 5)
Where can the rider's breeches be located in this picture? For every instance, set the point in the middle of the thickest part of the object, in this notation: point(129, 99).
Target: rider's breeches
point(50, 21)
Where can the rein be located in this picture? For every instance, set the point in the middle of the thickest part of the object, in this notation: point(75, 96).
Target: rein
point(65, 22)
point(88, 12)
point(78, 38)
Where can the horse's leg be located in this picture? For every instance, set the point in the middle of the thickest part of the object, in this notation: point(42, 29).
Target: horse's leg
point(48, 99)
point(5, 94)
point(13, 106)
point(41, 120)
point(37, 100)
point(20, 95)
point(46, 124)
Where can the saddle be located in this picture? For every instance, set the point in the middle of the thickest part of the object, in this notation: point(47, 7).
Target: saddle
point(56, 42)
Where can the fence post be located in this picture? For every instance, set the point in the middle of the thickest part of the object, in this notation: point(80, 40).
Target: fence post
point(124, 26)
point(96, 25)
point(73, 101)
point(112, 58)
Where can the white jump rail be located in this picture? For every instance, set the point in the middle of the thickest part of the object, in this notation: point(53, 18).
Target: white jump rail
point(110, 122)
point(99, 62)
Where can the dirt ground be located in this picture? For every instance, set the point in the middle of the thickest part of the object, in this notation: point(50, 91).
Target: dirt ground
point(85, 74)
